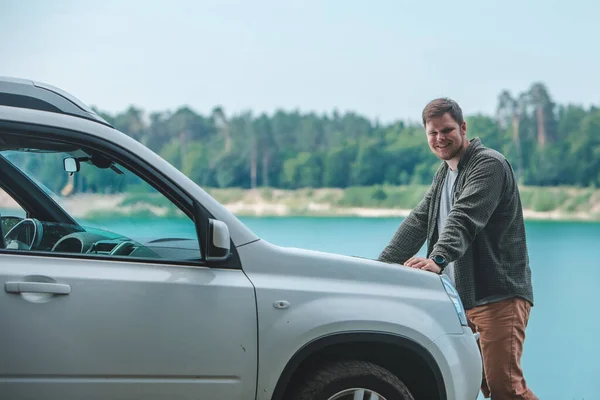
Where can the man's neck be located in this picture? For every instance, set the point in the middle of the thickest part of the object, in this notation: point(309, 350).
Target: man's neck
point(453, 163)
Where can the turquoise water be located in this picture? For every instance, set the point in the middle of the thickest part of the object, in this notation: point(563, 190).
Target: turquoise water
point(561, 357)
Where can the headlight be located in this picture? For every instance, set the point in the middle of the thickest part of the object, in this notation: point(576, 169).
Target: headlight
point(453, 294)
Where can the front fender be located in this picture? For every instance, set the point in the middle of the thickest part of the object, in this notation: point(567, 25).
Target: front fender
point(305, 295)
point(329, 314)
point(283, 333)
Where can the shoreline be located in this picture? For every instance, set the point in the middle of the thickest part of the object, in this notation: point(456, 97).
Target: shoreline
point(255, 205)
point(281, 210)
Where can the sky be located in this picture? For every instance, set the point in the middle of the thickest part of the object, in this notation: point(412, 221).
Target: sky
point(382, 59)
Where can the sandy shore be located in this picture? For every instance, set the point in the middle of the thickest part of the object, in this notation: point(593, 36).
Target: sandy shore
point(267, 209)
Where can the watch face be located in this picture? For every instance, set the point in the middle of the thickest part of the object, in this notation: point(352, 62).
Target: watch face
point(440, 260)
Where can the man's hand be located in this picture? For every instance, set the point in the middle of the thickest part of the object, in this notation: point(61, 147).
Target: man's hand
point(425, 264)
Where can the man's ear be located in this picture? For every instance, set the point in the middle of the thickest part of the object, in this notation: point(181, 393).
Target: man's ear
point(464, 128)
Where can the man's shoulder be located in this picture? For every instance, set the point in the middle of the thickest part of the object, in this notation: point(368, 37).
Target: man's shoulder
point(490, 160)
point(483, 153)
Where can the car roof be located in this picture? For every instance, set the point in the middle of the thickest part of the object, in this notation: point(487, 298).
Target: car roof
point(24, 93)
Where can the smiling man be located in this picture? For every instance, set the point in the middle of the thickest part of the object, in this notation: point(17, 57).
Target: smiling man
point(472, 219)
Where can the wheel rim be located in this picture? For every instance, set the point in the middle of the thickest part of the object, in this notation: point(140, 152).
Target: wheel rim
point(357, 394)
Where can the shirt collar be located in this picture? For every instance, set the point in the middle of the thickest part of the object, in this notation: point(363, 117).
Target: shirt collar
point(473, 145)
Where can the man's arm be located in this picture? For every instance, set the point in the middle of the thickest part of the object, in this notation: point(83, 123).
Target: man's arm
point(411, 234)
point(472, 210)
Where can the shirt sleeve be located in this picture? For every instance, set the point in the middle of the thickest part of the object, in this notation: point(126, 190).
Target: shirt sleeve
point(411, 234)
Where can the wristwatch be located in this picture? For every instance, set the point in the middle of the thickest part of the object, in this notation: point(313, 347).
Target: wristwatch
point(440, 261)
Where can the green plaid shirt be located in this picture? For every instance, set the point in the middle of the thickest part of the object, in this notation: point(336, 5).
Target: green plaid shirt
point(484, 233)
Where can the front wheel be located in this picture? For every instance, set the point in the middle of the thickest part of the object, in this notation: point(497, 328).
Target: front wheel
point(352, 380)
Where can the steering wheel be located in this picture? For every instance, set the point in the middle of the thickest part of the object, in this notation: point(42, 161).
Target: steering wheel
point(25, 235)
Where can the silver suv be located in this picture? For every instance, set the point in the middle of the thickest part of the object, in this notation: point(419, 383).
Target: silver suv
point(143, 286)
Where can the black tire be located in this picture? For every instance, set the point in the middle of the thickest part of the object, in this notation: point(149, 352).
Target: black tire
point(339, 376)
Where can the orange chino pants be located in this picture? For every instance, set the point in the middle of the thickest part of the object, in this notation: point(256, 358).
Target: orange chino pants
point(501, 326)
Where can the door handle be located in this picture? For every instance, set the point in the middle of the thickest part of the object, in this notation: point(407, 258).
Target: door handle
point(37, 287)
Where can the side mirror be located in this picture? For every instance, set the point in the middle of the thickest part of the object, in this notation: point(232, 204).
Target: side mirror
point(71, 164)
point(218, 246)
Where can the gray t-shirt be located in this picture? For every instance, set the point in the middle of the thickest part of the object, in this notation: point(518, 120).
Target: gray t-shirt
point(445, 208)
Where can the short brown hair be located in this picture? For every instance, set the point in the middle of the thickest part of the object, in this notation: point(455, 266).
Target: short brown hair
point(438, 107)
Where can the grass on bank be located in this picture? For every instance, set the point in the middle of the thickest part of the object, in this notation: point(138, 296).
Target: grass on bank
point(561, 202)
point(566, 201)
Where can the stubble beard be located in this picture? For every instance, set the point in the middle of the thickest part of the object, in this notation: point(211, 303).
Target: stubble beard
point(456, 152)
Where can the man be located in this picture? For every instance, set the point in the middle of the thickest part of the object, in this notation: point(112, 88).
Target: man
point(472, 219)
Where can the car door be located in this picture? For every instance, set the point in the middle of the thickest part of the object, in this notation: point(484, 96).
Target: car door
point(96, 325)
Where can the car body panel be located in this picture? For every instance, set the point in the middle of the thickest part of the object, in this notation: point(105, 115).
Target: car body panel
point(460, 362)
point(126, 327)
point(328, 293)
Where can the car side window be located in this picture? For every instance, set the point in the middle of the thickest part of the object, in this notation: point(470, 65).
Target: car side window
point(10, 211)
point(109, 211)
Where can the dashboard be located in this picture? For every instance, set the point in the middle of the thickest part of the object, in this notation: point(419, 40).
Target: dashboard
point(36, 235)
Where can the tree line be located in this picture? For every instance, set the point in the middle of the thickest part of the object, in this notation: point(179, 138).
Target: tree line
point(548, 144)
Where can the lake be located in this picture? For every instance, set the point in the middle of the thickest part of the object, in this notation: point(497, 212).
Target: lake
point(561, 357)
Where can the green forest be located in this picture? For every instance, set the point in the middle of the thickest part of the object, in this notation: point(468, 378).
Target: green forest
point(548, 144)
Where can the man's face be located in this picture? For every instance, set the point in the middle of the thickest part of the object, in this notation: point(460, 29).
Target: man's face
point(445, 137)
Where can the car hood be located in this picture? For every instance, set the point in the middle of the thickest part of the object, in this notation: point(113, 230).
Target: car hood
point(304, 263)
